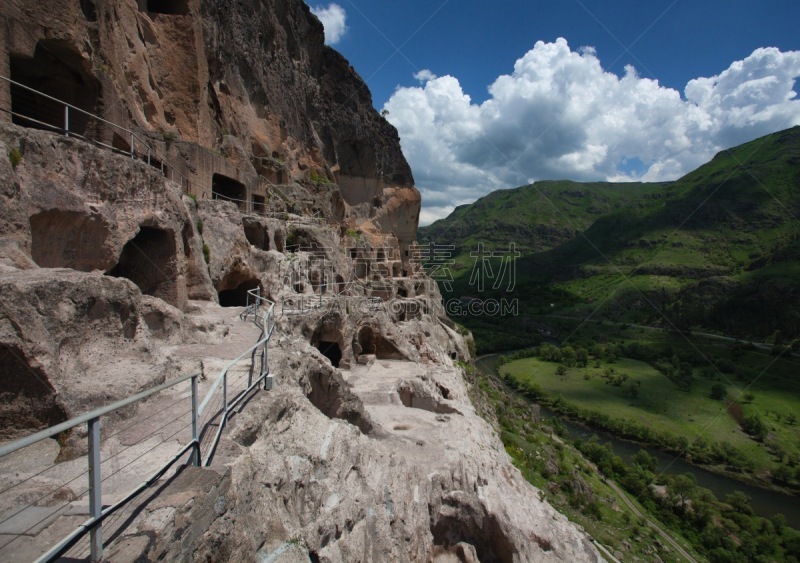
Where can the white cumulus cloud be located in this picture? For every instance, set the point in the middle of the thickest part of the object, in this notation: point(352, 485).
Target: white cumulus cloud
point(424, 75)
point(334, 20)
point(560, 115)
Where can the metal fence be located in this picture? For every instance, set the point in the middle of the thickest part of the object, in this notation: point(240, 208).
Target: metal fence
point(31, 108)
point(232, 386)
point(39, 490)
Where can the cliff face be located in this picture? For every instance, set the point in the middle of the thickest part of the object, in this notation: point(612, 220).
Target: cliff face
point(115, 279)
point(250, 81)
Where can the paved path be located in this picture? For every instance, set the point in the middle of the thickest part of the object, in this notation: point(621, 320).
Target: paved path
point(650, 522)
point(44, 497)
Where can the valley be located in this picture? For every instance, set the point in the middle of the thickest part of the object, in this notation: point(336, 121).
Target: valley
point(666, 314)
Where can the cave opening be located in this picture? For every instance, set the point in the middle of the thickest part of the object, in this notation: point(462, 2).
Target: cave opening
point(89, 10)
point(467, 524)
point(237, 297)
point(168, 7)
point(373, 342)
point(228, 189)
point(58, 70)
point(259, 204)
point(69, 239)
point(149, 261)
point(318, 281)
point(27, 400)
point(257, 235)
point(330, 350)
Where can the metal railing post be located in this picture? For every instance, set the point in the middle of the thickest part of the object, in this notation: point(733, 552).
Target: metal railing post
point(265, 364)
point(95, 502)
point(66, 120)
point(252, 367)
point(195, 459)
point(225, 392)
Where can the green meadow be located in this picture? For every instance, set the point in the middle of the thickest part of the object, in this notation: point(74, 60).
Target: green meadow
point(719, 405)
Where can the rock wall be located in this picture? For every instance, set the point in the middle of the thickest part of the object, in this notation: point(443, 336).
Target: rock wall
point(367, 398)
point(244, 91)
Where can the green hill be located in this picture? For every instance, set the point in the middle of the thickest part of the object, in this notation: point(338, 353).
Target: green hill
point(717, 250)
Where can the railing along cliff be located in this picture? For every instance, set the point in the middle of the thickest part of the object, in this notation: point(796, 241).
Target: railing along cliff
point(193, 429)
point(28, 109)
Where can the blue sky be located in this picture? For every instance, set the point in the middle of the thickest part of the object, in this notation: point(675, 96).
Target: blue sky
point(582, 101)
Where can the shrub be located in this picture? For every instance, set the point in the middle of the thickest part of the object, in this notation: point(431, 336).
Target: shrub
point(754, 426)
point(206, 253)
point(14, 157)
point(169, 137)
point(718, 392)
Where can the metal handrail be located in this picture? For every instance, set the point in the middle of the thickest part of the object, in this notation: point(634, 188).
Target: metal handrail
point(96, 511)
point(263, 312)
point(267, 326)
point(53, 431)
point(133, 136)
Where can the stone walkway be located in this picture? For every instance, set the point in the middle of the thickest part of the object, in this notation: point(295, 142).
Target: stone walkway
point(44, 498)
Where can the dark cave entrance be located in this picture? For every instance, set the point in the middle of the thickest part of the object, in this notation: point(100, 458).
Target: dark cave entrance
point(259, 204)
point(27, 400)
point(89, 10)
point(57, 70)
point(228, 189)
point(149, 261)
point(256, 234)
point(168, 7)
point(330, 350)
point(237, 297)
point(373, 342)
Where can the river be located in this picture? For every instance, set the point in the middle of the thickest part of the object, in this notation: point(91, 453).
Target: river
point(764, 502)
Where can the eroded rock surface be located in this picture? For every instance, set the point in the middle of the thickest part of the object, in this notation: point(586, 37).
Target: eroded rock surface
point(418, 485)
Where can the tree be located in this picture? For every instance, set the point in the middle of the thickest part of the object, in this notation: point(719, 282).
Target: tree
point(778, 523)
point(740, 502)
point(718, 392)
point(549, 352)
point(568, 356)
point(645, 461)
point(753, 425)
point(581, 357)
point(681, 488)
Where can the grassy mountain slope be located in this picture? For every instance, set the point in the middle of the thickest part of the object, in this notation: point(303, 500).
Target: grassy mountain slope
point(717, 250)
